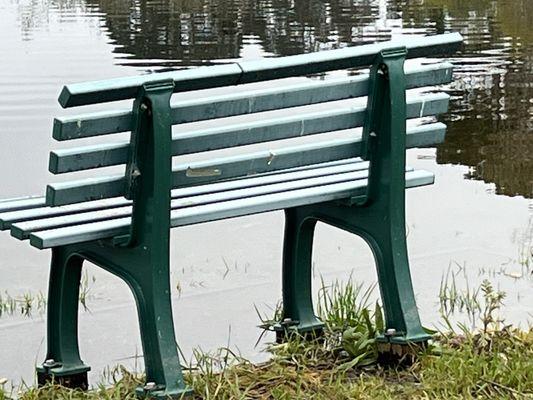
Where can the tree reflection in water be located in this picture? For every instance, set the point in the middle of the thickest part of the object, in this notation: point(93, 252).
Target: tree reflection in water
point(491, 118)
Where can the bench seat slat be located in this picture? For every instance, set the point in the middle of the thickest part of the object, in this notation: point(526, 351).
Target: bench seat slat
point(257, 71)
point(248, 102)
point(348, 165)
point(219, 210)
point(21, 203)
point(210, 194)
point(269, 129)
point(232, 167)
point(9, 217)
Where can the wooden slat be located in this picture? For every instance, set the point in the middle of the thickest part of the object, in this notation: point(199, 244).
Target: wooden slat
point(230, 167)
point(265, 130)
point(203, 172)
point(256, 71)
point(21, 203)
point(210, 194)
point(219, 210)
point(248, 102)
point(7, 219)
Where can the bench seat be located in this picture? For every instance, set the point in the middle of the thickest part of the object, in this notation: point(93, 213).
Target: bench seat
point(268, 192)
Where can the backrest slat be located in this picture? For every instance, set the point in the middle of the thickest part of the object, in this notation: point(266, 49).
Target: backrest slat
point(197, 173)
point(270, 129)
point(262, 125)
point(103, 123)
point(256, 71)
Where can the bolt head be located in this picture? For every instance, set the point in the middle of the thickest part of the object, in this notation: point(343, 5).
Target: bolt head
point(390, 332)
point(50, 362)
point(149, 386)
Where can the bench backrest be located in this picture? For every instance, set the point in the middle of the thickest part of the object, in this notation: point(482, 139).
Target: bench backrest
point(264, 128)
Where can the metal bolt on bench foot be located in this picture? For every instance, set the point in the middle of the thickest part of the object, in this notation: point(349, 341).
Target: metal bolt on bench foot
point(288, 327)
point(394, 348)
point(153, 391)
point(74, 377)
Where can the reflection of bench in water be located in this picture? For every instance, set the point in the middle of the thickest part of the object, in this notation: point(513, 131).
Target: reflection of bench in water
point(122, 222)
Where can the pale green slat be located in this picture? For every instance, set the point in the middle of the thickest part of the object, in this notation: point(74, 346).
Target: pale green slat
point(252, 101)
point(279, 183)
point(215, 211)
point(265, 161)
point(113, 186)
point(231, 167)
point(21, 203)
point(9, 218)
point(279, 201)
point(81, 158)
point(348, 57)
point(256, 71)
point(78, 94)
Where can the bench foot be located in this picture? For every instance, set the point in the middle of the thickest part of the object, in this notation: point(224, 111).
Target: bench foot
point(310, 331)
point(400, 350)
point(72, 378)
point(153, 391)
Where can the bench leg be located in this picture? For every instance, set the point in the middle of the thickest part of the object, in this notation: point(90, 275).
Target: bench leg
point(298, 313)
point(147, 275)
point(384, 230)
point(63, 363)
point(163, 370)
point(402, 320)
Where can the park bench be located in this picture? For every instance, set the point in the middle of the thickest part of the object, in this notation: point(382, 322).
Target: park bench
point(121, 222)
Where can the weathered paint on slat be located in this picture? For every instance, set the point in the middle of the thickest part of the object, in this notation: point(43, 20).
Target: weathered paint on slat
point(248, 102)
point(264, 130)
point(256, 71)
point(230, 167)
point(215, 211)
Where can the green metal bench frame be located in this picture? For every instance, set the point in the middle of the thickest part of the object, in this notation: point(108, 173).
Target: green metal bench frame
point(141, 257)
point(378, 217)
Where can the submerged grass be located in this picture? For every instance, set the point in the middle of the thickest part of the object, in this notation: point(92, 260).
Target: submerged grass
point(492, 362)
point(27, 304)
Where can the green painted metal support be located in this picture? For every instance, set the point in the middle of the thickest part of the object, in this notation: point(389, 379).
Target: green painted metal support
point(298, 311)
point(63, 363)
point(140, 258)
point(378, 217)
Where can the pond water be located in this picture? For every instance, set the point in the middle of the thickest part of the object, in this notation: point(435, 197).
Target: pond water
point(475, 221)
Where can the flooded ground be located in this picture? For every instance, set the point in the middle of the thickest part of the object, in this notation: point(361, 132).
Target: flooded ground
point(475, 221)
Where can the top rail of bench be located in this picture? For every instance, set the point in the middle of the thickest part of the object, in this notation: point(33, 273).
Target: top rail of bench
point(79, 94)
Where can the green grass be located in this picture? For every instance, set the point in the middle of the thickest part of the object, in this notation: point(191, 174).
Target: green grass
point(492, 362)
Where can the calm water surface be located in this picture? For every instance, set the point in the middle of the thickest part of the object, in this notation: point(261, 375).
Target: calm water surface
point(47, 43)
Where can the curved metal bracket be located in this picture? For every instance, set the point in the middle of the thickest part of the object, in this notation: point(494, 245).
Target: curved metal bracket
point(384, 128)
point(149, 167)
